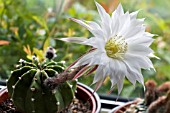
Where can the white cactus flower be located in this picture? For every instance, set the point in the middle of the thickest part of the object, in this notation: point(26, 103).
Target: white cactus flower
point(121, 47)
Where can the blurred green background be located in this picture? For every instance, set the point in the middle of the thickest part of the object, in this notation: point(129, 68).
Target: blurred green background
point(28, 27)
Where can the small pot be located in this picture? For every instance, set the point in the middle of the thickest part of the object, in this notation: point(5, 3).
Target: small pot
point(84, 93)
point(123, 108)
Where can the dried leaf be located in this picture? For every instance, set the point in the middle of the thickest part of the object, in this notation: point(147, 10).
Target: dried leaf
point(4, 42)
point(113, 5)
point(27, 50)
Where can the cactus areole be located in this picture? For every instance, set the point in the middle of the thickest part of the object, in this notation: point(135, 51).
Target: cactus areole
point(26, 88)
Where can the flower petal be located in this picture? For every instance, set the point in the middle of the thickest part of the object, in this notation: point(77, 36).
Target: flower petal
point(120, 84)
point(134, 73)
point(124, 24)
point(93, 27)
point(105, 20)
point(137, 49)
point(98, 43)
point(78, 40)
point(86, 59)
point(114, 24)
point(138, 62)
point(82, 23)
point(118, 71)
point(96, 31)
point(119, 10)
point(99, 74)
point(134, 32)
point(142, 39)
point(153, 56)
point(133, 15)
point(98, 85)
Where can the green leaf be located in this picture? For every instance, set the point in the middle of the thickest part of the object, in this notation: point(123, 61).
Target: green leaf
point(40, 21)
point(39, 53)
point(165, 70)
point(46, 44)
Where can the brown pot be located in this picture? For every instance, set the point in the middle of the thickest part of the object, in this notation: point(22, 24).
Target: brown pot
point(123, 108)
point(84, 93)
point(3, 95)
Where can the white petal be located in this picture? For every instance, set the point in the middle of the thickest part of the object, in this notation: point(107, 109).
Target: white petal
point(153, 56)
point(149, 34)
point(99, 59)
point(94, 31)
point(120, 84)
point(124, 24)
point(78, 40)
point(114, 24)
point(138, 62)
point(131, 76)
point(86, 59)
point(149, 63)
point(103, 14)
point(146, 41)
point(98, 85)
point(119, 10)
point(113, 76)
point(93, 24)
point(104, 59)
point(134, 31)
point(113, 80)
point(142, 38)
point(137, 49)
point(139, 77)
point(82, 23)
point(133, 15)
point(120, 67)
point(106, 69)
point(134, 73)
point(99, 74)
point(105, 20)
point(137, 22)
point(98, 43)
point(116, 20)
point(120, 72)
point(95, 60)
point(117, 73)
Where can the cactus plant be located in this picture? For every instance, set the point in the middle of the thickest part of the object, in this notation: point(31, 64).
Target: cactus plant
point(157, 99)
point(28, 92)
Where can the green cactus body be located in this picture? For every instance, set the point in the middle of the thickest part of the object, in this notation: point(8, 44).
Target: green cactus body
point(25, 87)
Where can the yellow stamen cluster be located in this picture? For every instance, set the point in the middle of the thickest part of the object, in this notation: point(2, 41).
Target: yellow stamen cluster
point(116, 47)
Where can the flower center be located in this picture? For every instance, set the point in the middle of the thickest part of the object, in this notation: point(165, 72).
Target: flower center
point(116, 47)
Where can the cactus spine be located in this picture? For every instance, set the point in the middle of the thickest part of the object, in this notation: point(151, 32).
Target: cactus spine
point(26, 88)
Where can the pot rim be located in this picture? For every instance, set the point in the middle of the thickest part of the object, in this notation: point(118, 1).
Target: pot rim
point(95, 99)
point(3, 94)
point(116, 109)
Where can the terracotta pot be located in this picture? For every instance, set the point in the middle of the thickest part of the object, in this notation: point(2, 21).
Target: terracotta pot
point(84, 93)
point(122, 109)
point(3, 95)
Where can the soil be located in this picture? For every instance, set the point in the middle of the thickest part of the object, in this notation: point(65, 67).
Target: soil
point(8, 107)
point(76, 106)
